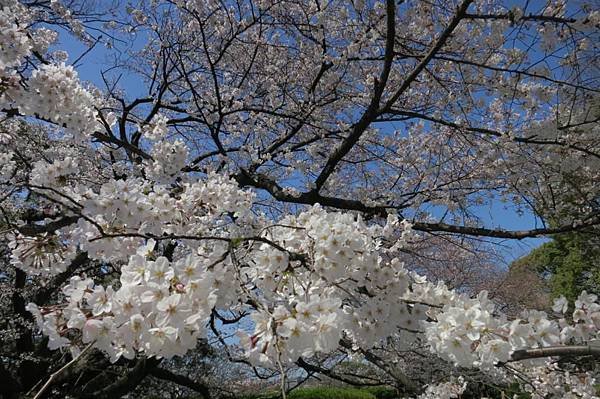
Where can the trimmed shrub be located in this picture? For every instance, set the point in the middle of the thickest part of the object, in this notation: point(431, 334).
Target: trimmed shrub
point(331, 393)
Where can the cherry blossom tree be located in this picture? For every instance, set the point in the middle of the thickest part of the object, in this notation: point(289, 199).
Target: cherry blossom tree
point(293, 165)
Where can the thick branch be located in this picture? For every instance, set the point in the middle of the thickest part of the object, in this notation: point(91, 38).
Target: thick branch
point(313, 368)
point(33, 229)
point(311, 198)
point(529, 17)
point(121, 143)
point(551, 351)
point(127, 383)
point(181, 380)
point(371, 112)
point(460, 13)
point(499, 233)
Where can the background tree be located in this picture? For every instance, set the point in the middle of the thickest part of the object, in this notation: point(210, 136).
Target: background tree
point(568, 263)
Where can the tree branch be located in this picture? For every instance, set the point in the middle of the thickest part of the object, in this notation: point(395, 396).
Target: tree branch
point(551, 351)
point(128, 382)
point(371, 112)
point(182, 380)
point(312, 198)
point(460, 13)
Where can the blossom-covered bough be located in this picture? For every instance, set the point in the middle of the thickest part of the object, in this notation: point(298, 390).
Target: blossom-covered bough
point(278, 164)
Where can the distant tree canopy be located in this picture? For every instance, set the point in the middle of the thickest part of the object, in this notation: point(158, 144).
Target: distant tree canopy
point(570, 264)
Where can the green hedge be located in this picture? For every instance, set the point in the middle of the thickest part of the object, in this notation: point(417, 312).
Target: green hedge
point(261, 395)
point(330, 393)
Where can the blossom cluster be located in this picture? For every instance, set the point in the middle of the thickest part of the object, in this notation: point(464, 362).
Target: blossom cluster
point(15, 43)
point(52, 92)
point(445, 390)
point(54, 175)
point(160, 308)
point(156, 130)
point(341, 287)
point(45, 254)
point(55, 93)
point(547, 379)
point(308, 281)
point(336, 284)
point(468, 331)
point(7, 166)
point(168, 158)
point(67, 15)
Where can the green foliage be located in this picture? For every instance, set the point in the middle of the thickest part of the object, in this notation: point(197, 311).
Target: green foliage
point(570, 262)
point(328, 393)
point(261, 395)
point(474, 391)
point(331, 393)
